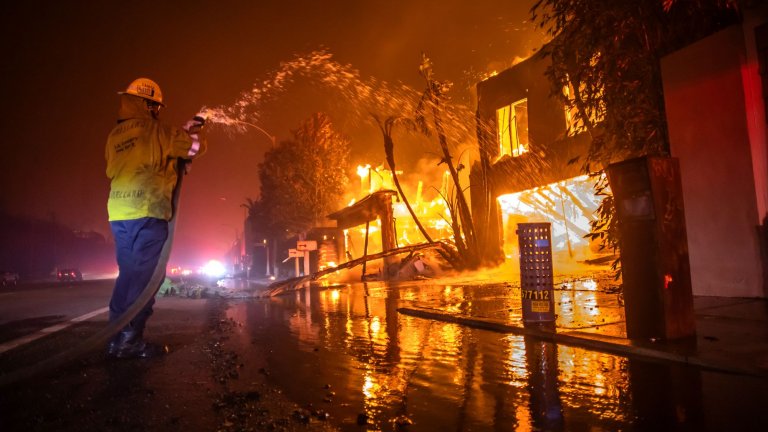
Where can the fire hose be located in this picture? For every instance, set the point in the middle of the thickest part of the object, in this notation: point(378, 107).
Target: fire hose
point(100, 338)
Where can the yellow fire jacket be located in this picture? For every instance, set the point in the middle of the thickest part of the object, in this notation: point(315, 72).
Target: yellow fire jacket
point(141, 155)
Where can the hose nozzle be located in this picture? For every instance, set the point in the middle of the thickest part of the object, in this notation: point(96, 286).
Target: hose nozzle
point(197, 122)
point(201, 117)
point(205, 114)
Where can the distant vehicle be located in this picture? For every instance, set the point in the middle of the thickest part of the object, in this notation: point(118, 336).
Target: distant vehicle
point(9, 277)
point(69, 275)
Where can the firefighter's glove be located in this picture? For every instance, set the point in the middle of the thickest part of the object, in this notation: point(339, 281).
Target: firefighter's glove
point(195, 125)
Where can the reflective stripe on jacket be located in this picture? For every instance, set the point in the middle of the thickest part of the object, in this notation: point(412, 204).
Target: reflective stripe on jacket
point(141, 155)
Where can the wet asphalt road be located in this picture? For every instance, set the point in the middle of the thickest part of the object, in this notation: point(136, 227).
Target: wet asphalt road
point(31, 306)
point(342, 358)
point(197, 386)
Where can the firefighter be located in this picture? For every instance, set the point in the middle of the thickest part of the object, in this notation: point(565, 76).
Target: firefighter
point(142, 155)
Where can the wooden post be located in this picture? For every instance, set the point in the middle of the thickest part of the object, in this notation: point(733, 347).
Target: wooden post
point(365, 249)
point(387, 231)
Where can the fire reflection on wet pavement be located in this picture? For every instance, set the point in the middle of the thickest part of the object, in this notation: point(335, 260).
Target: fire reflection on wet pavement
point(345, 349)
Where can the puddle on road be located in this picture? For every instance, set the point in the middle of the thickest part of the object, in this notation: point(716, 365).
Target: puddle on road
point(349, 352)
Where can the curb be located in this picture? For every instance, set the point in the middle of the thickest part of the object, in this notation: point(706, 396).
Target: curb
point(607, 344)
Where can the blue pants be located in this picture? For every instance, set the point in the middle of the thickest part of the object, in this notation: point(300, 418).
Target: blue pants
point(138, 243)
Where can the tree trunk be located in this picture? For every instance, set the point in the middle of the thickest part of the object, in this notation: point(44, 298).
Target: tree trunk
point(389, 150)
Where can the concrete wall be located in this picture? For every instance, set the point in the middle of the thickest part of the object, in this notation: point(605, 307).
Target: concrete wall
point(708, 103)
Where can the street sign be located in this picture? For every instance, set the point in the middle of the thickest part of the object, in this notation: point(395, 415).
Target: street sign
point(306, 245)
point(294, 253)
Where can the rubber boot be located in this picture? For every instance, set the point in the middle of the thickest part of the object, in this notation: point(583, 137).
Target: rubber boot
point(129, 343)
point(123, 338)
point(113, 344)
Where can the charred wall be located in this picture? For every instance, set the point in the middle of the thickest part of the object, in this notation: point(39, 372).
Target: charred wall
point(553, 156)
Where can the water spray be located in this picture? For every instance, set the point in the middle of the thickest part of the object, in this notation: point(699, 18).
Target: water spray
point(217, 116)
point(362, 95)
point(359, 95)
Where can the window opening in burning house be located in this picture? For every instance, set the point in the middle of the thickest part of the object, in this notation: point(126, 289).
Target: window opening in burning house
point(513, 128)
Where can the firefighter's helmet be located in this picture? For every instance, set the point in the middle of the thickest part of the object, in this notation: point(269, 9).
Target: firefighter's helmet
point(145, 88)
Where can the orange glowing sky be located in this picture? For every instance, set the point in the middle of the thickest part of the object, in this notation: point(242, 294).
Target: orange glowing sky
point(63, 62)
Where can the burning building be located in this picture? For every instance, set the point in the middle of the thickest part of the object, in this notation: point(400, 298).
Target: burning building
point(526, 171)
point(378, 221)
point(715, 97)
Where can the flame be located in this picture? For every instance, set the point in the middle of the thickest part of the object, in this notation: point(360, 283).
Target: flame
point(426, 202)
point(400, 210)
point(440, 224)
point(371, 229)
point(488, 75)
point(363, 171)
point(568, 205)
